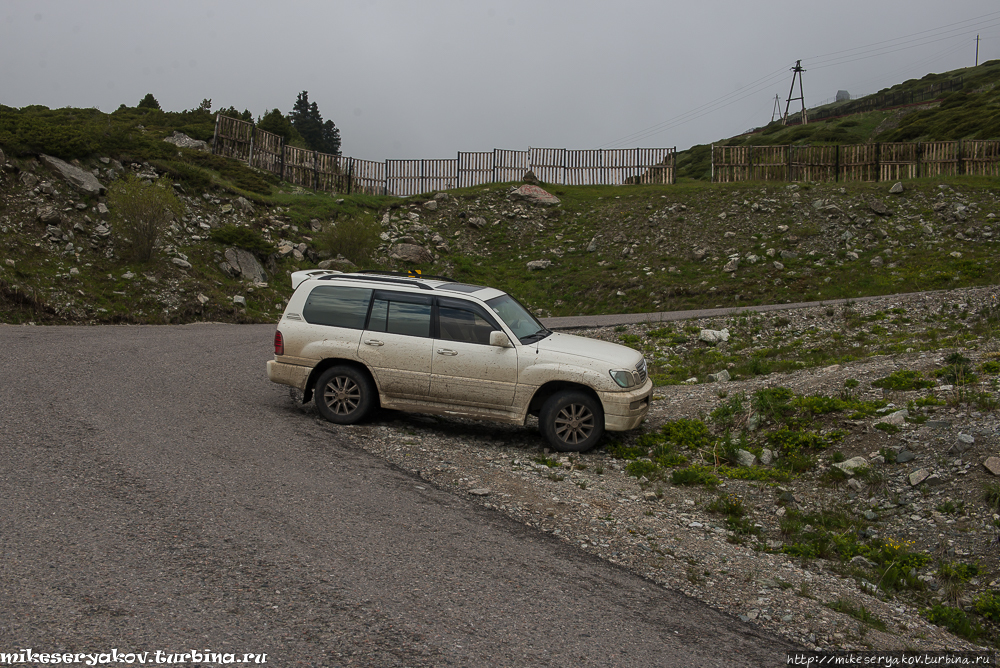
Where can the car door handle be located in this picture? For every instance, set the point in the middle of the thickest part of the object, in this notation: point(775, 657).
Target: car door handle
point(447, 351)
point(374, 342)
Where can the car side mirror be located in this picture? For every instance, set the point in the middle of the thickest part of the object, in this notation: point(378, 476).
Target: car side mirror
point(498, 338)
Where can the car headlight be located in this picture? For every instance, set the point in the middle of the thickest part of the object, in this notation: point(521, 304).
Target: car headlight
point(623, 377)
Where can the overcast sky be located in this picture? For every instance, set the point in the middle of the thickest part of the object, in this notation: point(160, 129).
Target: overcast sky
point(428, 78)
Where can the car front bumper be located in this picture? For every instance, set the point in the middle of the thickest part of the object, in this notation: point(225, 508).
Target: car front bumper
point(625, 410)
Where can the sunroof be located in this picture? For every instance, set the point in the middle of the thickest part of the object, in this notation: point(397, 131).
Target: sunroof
point(461, 287)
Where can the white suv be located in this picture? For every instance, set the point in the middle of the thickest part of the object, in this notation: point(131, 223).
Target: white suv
point(429, 345)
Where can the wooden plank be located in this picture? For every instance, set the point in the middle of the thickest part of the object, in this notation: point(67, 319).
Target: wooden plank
point(548, 164)
point(368, 177)
point(655, 165)
point(509, 165)
point(812, 163)
point(859, 162)
point(475, 169)
point(267, 151)
point(769, 163)
point(939, 158)
point(584, 168)
point(897, 161)
point(981, 157)
point(333, 172)
point(234, 138)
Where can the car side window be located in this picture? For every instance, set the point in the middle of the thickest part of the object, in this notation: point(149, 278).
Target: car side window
point(463, 324)
point(337, 306)
point(401, 313)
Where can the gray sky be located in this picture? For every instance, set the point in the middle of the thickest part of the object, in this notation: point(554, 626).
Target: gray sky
point(428, 78)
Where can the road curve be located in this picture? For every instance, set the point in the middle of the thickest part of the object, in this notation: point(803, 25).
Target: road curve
point(159, 493)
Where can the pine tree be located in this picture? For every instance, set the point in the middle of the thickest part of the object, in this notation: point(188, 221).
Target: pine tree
point(306, 119)
point(331, 138)
point(149, 102)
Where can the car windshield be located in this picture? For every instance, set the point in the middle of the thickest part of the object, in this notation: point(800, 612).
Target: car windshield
point(524, 325)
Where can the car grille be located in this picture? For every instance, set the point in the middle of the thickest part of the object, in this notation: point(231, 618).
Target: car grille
point(640, 369)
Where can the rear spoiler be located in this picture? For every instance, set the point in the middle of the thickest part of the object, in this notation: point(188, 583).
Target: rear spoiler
point(299, 276)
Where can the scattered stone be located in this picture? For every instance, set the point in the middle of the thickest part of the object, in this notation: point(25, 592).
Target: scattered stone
point(535, 265)
point(876, 261)
point(879, 208)
point(962, 443)
point(731, 266)
point(592, 246)
point(714, 336)
point(766, 456)
point(76, 177)
point(745, 458)
point(918, 477)
point(897, 418)
point(432, 205)
point(720, 377)
point(905, 456)
point(897, 188)
point(477, 222)
point(852, 465)
point(938, 424)
point(535, 195)
point(411, 253)
point(183, 141)
point(992, 465)
point(202, 299)
point(240, 300)
point(183, 264)
point(243, 263)
point(480, 491)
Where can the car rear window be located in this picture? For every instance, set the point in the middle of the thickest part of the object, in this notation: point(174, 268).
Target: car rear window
point(337, 306)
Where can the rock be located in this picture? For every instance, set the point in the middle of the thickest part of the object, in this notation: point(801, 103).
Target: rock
point(529, 177)
point(905, 456)
point(897, 418)
point(240, 300)
point(766, 456)
point(933, 479)
point(878, 207)
point(854, 485)
point(897, 188)
point(432, 205)
point(787, 497)
point(592, 246)
point(477, 222)
point(29, 180)
point(338, 264)
point(992, 465)
point(852, 465)
point(962, 443)
point(788, 255)
point(182, 140)
point(441, 197)
point(183, 264)
point(202, 299)
point(876, 261)
point(731, 266)
point(481, 491)
point(76, 177)
point(244, 264)
point(918, 477)
point(244, 205)
point(745, 458)
point(411, 253)
point(714, 336)
point(535, 265)
point(49, 215)
point(535, 195)
point(779, 266)
point(721, 377)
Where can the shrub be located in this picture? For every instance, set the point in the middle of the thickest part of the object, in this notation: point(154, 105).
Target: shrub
point(354, 238)
point(642, 467)
point(772, 402)
point(140, 213)
point(988, 605)
point(903, 380)
point(688, 433)
point(694, 475)
point(243, 237)
point(954, 620)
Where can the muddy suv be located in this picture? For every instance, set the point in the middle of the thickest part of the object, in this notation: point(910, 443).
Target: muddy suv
point(426, 344)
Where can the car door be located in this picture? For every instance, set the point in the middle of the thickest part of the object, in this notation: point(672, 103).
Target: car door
point(466, 369)
point(397, 343)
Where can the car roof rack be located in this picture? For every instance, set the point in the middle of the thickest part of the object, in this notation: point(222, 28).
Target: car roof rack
point(382, 279)
point(413, 273)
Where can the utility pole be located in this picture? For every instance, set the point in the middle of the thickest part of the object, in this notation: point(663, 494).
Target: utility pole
point(977, 50)
point(776, 113)
point(796, 72)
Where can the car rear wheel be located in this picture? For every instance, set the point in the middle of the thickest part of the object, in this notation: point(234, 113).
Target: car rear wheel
point(344, 395)
point(572, 421)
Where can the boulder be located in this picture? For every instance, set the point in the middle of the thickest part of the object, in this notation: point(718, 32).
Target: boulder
point(535, 195)
point(182, 140)
point(76, 177)
point(918, 477)
point(721, 377)
point(714, 336)
point(745, 458)
point(411, 253)
point(49, 215)
point(897, 418)
point(338, 264)
point(529, 177)
point(539, 264)
point(962, 443)
point(244, 264)
point(878, 207)
point(731, 266)
point(852, 465)
point(431, 205)
point(992, 465)
point(897, 188)
point(477, 222)
point(766, 456)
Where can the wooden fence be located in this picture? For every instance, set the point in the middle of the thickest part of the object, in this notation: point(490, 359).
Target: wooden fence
point(239, 139)
point(860, 162)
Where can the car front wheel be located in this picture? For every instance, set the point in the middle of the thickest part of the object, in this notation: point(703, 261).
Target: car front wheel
point(344, 395)
point(572, 421)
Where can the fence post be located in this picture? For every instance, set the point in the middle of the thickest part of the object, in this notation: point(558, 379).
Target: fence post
point(919, 153)
point(836, 163)
point(789, 163)
point(878, 162)
point(281, 164)
point(750, 164)
point(961, 159)
point(253, 134)
point(215, 135)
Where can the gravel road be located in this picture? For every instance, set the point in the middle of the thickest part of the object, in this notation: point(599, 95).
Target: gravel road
point(159, 493)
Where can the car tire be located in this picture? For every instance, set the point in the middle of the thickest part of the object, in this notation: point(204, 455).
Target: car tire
point(344, 395)
point(572, 421)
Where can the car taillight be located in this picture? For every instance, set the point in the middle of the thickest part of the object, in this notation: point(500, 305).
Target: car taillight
point(279, 344)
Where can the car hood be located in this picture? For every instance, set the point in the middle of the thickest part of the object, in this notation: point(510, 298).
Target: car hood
point(615, 355)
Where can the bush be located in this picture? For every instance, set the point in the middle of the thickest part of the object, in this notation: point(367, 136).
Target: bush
point(353, 238)
point(988, 605)
point(243, 237)
point(694, 475)
point(140, 212)
point(903, 381)
point(954, 620)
